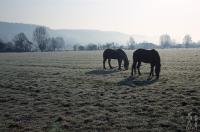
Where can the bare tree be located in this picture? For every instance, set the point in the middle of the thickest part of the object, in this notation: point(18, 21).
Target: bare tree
point(81, 47)
point(131, 43)
point(2, 46)
point(60, 43)
point(75, 47)
point(41, 37)
point(22, 44)
point(187, 41)
point(165, 41)
point(52, 44)
point(91, 47)
point(109, 45)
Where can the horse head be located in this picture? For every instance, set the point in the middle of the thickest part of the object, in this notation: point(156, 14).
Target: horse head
point(126, 64)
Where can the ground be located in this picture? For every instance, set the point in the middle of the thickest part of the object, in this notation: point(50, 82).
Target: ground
point(70, 91)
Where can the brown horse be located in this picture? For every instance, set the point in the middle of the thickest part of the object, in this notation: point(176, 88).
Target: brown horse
point(118, 54)
point(146, 56)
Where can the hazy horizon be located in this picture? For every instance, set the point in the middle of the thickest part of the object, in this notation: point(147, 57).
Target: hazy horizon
point(141, 17)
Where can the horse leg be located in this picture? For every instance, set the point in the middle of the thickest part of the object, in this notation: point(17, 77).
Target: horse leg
point(133, 68)
point(151, 72)
point(119, 63)
point(109, 60)
point(138, 67)
point(104, 61)
point(157, 71)
point(152, 69)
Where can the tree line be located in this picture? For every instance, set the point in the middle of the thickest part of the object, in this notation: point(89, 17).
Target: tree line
point(165, 42)
point(41, 42)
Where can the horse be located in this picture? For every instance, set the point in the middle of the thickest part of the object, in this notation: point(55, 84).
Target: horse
point(146, 56)
point(118, 54)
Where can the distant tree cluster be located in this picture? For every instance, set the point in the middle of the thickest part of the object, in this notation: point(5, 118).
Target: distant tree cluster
point(41, 42)
point(167, 42)
point(87, 47)
point(146, 45)
point(22, 44)
point(45, 43)
point(92, 46)
point(6, 47)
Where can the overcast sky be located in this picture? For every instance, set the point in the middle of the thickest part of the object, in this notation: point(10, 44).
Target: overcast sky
point(143, 17)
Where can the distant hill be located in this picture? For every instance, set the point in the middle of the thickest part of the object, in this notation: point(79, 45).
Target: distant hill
point(9, 30)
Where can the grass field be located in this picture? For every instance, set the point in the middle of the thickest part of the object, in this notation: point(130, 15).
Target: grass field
point(69, 91)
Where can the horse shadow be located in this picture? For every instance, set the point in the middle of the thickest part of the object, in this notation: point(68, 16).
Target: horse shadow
point(101, 72)
point(130, 81)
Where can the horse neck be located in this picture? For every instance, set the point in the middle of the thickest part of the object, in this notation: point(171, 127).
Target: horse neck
point(125, 58)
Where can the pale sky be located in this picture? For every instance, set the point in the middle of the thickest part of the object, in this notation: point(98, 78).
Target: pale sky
point(143, 17)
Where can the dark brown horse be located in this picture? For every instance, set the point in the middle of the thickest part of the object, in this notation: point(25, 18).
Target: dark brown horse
point(146, 56)
point(118, 54)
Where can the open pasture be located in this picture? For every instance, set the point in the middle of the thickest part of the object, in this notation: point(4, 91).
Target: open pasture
point(70, 91)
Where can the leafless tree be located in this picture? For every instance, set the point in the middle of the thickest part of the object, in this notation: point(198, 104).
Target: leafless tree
point(165, 41)
point(40, 36)
point(187, 40)
point(22, 44)
point(131, 43)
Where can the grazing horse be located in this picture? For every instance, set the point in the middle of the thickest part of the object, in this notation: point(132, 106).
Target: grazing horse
point(146, 56)
point(118, 54)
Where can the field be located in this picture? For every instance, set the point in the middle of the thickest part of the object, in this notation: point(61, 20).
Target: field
point(69, 91)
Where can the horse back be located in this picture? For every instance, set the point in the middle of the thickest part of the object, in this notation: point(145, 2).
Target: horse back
point(109, 53)
point(146, 56)
point(113, 54)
